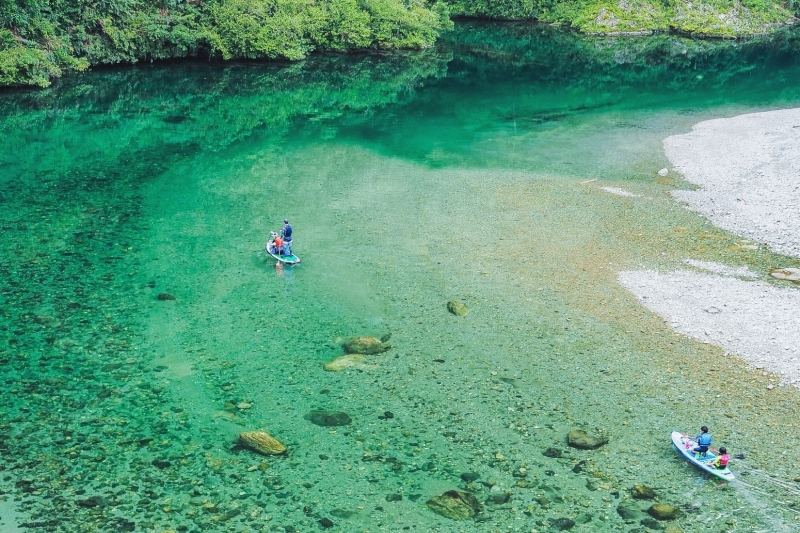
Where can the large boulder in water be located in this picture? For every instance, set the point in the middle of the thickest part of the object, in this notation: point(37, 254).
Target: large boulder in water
point(455, 504)
point(365, 345)
point(578, 438)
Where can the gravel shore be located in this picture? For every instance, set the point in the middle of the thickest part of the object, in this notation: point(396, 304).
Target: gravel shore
point(747, 170)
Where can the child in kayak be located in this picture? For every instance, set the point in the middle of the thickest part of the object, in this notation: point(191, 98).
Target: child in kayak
point(722, 459)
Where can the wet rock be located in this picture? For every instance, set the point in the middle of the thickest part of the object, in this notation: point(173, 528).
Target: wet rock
point(326, 523)
point(469, 477)
point(165, 296)
point(455, 504)
point(365, 345)
point(578, 468)
point(394, 497)
point(343, 362)
point(664, 511)
point(552, 452)
point(630, 511)
point(673, 529)
point(561, 524)
point(663, 172)
point(578, 438)
point(262, 442)
point(457, 308)
point(788, 274)
point(643, 492)
point(328, 418)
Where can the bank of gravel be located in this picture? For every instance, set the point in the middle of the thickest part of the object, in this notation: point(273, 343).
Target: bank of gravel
point(746, 171)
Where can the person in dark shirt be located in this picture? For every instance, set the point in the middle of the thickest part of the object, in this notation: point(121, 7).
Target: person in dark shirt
point(703, 442)
point(287, 236)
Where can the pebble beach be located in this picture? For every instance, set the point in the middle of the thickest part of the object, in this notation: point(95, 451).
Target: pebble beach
point(746, 172)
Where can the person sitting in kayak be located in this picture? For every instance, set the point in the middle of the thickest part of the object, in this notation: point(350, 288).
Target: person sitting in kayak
point(703, 442)
point(286, 232)
point(722, 459)
point(278, 245)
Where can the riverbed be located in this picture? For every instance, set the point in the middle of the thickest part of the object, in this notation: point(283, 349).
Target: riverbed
point(514, 169)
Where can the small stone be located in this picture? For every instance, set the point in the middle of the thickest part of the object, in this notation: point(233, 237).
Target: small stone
point(164, 296)
point(498, 498)
point(262, 442)
point(242, 406)
point(365, 345)
point(469, 477)
point(552, 452)
point(457, 308)
point(343, 362)
point(577, 438)
point(663, 172)
point(388, 414)
point(664, 511)
point(561, 524)
point(455, 504)
point(326, 523)
point(394, 497)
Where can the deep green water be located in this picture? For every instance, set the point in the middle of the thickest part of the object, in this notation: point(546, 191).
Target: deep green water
point(411, 179)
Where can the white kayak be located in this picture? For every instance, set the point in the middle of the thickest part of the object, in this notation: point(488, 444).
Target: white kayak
point(685, 444)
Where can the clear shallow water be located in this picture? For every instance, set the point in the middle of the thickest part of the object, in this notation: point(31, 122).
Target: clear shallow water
point(411, 180)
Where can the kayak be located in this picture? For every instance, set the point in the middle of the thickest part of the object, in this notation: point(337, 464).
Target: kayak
point(684, 444)
point(286, 259)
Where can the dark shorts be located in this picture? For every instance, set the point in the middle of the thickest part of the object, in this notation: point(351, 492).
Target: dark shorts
point(701, 449)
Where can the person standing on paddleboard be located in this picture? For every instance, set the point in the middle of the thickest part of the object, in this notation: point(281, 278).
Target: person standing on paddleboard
point(703, 442)
point(287, 235)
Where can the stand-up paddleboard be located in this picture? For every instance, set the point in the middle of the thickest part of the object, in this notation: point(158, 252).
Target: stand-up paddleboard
point(685, 444)
point(286, 259)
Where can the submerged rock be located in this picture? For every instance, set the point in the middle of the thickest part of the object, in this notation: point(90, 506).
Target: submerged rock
point(457, 308)
point(328, 418)
point(578, 438)
point(365, 345)
point(262, 442)
point(664, 511)
point(165, 296)
point(643, 492)
point(455, 504)
point(345, 361)
point(629, 511)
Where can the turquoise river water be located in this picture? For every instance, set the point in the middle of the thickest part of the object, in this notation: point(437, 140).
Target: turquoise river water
point(142, 328)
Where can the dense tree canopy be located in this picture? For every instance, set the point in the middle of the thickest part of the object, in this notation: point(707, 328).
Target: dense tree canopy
point(40, 39)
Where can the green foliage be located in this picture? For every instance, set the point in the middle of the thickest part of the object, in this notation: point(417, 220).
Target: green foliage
point(115, 31)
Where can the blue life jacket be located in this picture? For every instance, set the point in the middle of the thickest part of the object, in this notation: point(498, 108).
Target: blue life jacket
point(704, 439)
